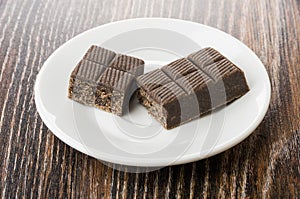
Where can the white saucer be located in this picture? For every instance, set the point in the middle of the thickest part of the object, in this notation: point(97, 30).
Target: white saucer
point(137, 139)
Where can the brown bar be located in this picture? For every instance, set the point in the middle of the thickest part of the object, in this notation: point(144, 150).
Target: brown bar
point(191, 87)
point(105, 80)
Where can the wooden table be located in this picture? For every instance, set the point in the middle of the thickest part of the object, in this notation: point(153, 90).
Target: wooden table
point(36, 164)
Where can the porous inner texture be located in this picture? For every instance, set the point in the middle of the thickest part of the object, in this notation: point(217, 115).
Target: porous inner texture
point(154, 109)
point(82, 91)
point(109, 100)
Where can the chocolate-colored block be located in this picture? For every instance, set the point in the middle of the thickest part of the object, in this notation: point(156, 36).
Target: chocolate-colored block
point(129, 64)
point(99, 55)
point(229, 80)
point(205, 57)
point(179, 68)
point(153, 79)
point(83, 81)
point(164, 103)
point(114, 90)
point(191, 87)
point(105, 80)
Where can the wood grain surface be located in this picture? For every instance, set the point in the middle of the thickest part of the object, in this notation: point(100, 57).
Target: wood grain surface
point(36, 164)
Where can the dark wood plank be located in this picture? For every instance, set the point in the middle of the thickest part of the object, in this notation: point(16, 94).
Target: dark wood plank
point(35, 164)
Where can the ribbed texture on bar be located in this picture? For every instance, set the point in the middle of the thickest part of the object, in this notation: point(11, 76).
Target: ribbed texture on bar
point(99, 55)
point(205, 57)
point(179, 68)
point(88, 70)
point(128, 64)
point(193, 81)
point(167, 93)
point(153, 80)
point(219, 69)
point(117, 79)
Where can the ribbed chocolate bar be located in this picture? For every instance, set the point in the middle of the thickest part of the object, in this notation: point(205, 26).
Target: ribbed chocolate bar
point(105, 80)
point(191, 87)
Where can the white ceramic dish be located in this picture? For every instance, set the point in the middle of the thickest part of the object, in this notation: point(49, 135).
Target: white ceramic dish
point(137, 139)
